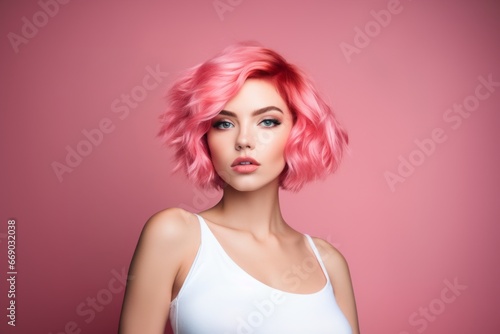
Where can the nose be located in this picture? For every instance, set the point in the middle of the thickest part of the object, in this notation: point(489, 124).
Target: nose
point(245, 140)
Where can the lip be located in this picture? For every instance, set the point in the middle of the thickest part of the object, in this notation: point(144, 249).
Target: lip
point(245, 168)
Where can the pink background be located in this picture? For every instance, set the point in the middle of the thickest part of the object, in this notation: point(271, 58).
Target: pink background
point(402, 242)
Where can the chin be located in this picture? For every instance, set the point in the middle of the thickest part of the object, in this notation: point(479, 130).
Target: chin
point(245, 188)
point(252, 185)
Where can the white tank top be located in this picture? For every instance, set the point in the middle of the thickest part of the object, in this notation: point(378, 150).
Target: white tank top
point(219, 297)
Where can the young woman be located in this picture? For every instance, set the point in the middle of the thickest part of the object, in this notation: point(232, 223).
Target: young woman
point(247, 122)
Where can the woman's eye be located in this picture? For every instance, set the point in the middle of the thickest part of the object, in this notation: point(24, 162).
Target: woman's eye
point(222, 125)
point(270, 122)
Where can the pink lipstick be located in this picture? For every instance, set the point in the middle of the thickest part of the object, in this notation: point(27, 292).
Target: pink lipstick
point(245, 165)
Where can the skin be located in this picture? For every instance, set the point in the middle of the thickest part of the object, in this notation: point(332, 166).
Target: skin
point(247, 220)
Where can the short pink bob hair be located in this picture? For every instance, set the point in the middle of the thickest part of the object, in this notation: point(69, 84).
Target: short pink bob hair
point(316, 143)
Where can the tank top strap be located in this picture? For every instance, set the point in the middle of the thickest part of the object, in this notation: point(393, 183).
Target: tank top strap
point(206, 235)
point(318, 256)
point(203, 224)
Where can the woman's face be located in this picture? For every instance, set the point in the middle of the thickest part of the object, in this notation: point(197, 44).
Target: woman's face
point(248, 137)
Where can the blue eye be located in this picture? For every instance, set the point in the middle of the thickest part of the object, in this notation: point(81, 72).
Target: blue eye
point(222, 125)
point(268, 123)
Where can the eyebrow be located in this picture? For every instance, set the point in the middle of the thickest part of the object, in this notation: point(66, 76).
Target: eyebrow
point(254, 113)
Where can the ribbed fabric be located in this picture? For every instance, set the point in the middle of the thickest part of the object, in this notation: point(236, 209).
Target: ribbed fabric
point(219, 297)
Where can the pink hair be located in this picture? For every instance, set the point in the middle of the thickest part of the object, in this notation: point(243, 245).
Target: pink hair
point(316, 143)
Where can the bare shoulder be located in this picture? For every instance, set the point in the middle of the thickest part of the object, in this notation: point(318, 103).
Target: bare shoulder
point(331, 256)
point(168, 236)
point(166, 239)
point(170, 223)
point(174, 226)
point(336, 266)
point(340, 277)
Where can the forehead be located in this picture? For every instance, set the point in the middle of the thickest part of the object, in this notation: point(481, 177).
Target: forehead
point(256, 94)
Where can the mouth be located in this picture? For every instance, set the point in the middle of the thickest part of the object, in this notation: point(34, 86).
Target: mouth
point(244, 161)
point(245, 165)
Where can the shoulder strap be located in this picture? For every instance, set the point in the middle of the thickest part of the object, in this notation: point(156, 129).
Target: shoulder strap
point(206, 234)
point(318, 256)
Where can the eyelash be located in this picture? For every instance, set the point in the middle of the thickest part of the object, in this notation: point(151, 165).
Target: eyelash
point(218, 124)
point(274, 122)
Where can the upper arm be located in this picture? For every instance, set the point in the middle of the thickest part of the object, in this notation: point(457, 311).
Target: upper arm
point(152, 273)
point(338, 272)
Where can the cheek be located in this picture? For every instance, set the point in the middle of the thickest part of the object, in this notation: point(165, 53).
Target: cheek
point(281, 152)
point(215, 147)
point(219, 149)
point(278, 145)
point(284, 143)
point(265, 138)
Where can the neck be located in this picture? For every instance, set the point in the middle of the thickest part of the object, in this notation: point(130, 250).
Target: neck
point(257, 212)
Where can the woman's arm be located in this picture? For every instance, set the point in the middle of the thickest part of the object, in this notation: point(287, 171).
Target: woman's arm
point(338, 271)
point(155, 264)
